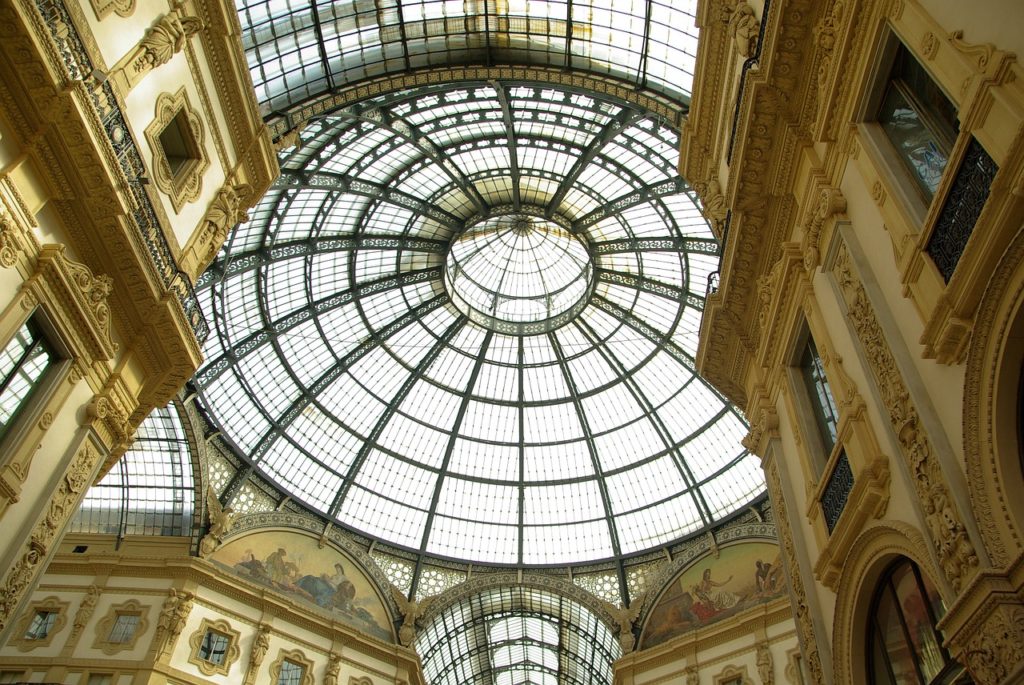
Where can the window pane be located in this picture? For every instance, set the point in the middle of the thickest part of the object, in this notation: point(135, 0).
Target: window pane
point(22, 363)
point(818, 391)
point(918, 621)
point(901, 658)
point(291, 673)
point(214, 647)
point(919, 120)
point(42, 624)
point(124, 628)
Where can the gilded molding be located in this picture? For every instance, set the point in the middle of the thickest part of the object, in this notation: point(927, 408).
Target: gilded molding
point(63, 503)
point(957, 555)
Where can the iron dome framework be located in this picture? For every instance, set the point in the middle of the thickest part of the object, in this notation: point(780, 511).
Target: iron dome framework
point(341, 369)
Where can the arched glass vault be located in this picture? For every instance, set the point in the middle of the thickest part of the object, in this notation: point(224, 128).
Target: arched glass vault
point(461, 402)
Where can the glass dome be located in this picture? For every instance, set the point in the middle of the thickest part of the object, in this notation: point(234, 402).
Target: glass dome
point(463, 323)
point(518, 274)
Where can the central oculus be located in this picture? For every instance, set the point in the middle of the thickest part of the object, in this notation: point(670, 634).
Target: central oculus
point(519, 274)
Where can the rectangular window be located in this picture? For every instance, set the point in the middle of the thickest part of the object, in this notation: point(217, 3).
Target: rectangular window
point(291, 673)
point(214, 647)
point(919, 120)
point(124, 628)
point(823, 406)
point(41, 625)
point(11, 677)
point(23, 363)
point(100, 679)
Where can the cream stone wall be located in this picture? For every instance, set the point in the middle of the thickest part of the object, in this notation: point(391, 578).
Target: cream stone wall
point(828, 234)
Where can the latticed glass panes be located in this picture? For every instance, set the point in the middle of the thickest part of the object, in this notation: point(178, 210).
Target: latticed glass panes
point(517, 635)
point(150, 490)
point(23, 362)
point(299, 50)
point(124, 628)
point(463, 322)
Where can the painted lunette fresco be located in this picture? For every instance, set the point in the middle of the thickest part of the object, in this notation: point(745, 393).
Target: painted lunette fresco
point(296, 566)
point(711, 590)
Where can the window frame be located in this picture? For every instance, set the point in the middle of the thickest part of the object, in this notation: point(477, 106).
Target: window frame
point(106, 625)
point(231, 651)
point(296, 658)
point(20, 632)
point(818, 455)
point(951, 671)
point(32, 407)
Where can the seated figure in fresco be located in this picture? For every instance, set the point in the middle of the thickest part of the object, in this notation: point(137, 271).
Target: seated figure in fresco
point(712, 600)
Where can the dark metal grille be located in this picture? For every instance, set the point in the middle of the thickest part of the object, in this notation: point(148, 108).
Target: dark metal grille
point(837, 491)
point(963, 206)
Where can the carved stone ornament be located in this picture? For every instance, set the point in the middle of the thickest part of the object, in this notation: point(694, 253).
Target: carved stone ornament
point(744, 27)
point(260, 645)
point(624, 617)
point(184, 184)
point(221, 519)
point(9, 245)
point(80, 294)
point(826, 43)
point(173, 616)
point(122, 8)
point(63, 503)
point(801, 611)
point(957, 556)
point(997, 645)
point(765, 665)
point(333, 669)
point(713, 204)
point(226, 211)
point(830, 202)
point(163, 40)
point(85, 610)
point(929, 45)
point(411, 612)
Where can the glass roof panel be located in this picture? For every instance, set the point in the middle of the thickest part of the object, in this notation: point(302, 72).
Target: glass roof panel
point(298, 50)
point(477, 344)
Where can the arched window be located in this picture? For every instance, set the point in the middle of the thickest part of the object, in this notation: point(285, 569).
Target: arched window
point(905, 647)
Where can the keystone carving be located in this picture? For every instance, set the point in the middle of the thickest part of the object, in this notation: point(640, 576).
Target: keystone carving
point(163, 40)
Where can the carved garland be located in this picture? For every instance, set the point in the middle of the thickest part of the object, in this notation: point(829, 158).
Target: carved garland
point(956, 552)
point(62, 504)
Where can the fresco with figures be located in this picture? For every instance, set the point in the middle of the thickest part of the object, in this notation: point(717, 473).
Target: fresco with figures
point(296, 566)
point(713, 589)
